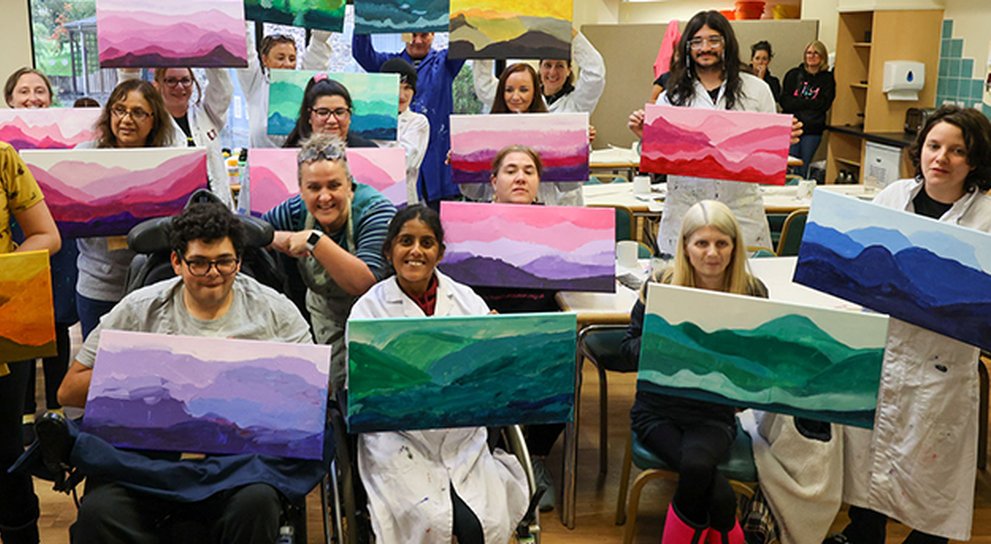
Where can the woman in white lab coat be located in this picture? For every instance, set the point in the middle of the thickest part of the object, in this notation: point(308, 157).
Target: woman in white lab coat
point(918, 463)
point(430, 486)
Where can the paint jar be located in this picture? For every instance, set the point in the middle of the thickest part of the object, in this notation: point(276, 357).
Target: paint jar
point(641, 185)
point(626, 253)
point(804, 189)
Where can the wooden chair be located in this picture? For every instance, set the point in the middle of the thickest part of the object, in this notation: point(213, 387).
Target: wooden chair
point(791, 233)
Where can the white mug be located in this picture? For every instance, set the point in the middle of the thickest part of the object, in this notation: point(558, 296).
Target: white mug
point(641, 185)
point(626, 253)
point(805, 188)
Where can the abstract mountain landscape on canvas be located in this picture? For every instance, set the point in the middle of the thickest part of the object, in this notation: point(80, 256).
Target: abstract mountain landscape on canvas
point(209, 395)
point(931, 274)
point(27, 316)
point(105, 192)
point(442, 372)
point(376, 102)
point(530, 247)
point(716, 144)
point(394, 16)
point(561, 139)
point(153, 33)
point(505, 29)
point(313, 14)
point(810, 362)
point(48, 128)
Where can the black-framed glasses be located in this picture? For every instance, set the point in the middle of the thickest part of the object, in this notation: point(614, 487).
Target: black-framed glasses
point(136, 114)
point(174, 81)
point(201, 267)
point(713, 41)
point(339, 113)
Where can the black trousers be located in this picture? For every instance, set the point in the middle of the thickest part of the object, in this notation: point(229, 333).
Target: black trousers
point(703, 495)
point(467, 529)
point(541, 438)
point(112, 514)
point(18, 503)
point(54, 369)
point(869, 527)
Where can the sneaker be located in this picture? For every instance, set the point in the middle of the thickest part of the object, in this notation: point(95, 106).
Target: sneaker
point(549, 500)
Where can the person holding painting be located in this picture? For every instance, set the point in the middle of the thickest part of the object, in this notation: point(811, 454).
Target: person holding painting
point(918, 464)
point(326, 109)
point(807, 92)
point(333, 229)
point(21, 200)
point(276, 52)
point(414, 128)
point(134, 116)
point(694, 436)
point(435, 78)
point(446, 483)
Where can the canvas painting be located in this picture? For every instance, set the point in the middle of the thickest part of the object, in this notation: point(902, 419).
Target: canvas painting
point(716, 144)
point(561, 139)
point(816, 363)
point(105, 192)
point(559, 248)
point(504, 29)
point(209, 395)
point(442, 372)
point(27, 314)
point(931, 274)
point(48, 128)
point(313, 14)
point(155, 33)
point(273, 174)
point(375, 97)
point(395, 16)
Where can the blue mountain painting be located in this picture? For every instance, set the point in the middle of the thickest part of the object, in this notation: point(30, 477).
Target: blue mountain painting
point(786, 365)
point(884, 271)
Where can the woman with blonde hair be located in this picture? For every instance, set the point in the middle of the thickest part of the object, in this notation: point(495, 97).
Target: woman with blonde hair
point(694, 436)
point(807, 92)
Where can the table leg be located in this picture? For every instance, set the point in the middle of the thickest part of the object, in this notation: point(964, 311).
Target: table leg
point(570, 458)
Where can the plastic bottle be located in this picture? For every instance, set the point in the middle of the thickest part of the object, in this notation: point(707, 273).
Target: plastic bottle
point(285, 535)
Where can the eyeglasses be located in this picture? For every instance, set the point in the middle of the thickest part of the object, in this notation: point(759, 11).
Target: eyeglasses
point(184, 81)
point(812, 53)
point(201, 267)
point(136, 114)
point(340, 113)
point(333, 152)
point(713, 41)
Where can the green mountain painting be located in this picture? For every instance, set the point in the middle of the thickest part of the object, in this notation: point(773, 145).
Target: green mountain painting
point(443, 372)
point(375, 113)
point(817, 363)
point(318, 14)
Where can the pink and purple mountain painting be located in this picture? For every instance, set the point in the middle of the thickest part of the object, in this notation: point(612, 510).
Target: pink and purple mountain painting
point(48, 128)
point(273, 174)
point(105, 192)
point(153, 33)
point(530, 247)
point(717, 144)
point(561, 139)
point(209, 395)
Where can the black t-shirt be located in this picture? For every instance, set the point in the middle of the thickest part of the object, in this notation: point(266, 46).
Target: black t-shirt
point(925, 205)
point(714, 94)
point(184, 125)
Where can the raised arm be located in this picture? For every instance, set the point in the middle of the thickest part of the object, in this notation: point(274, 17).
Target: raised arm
point(318, 52)
point(365, 54)
point(592, 75)
point(217, 96)
point(251, 77)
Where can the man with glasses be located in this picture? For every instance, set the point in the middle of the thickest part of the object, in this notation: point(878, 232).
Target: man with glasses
point(129, 494)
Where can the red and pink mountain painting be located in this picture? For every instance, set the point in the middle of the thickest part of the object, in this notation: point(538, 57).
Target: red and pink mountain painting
point(48, 128)
point(717, 144)
point(105, 192)
point(152, 33)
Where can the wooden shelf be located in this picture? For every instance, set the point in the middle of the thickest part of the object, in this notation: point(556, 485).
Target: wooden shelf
point(862, 44)
point(848, 162)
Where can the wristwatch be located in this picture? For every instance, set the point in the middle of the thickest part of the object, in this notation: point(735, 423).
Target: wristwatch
point(312, 239)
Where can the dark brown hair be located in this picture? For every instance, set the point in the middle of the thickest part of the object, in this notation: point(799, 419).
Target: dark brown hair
point(976, 131)
point(318, 86)
point(536, 105)
point(501, 156)
point(681, 84)
point(162, 132)
point(8, 88)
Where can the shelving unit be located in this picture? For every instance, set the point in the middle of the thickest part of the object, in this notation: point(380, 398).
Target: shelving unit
point(864, 41)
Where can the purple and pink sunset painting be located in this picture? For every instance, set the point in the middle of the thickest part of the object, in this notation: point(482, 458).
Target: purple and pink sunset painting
point(273, 174)
point(105, 192)
point(561, 139)
point(716, 144)
point(558, 248)
point(209, 395)
point(48, 128)
point(158, 33)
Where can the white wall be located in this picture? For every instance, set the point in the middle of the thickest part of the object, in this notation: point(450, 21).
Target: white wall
point(15, 38)
point(591, 12)
point(663, 11)
point(825, 12)
point(971, 21)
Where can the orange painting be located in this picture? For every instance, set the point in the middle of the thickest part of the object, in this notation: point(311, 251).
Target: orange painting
point(27, 315)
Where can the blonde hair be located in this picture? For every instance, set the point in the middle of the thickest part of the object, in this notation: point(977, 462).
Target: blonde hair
point(823, 53)
point(711, 213)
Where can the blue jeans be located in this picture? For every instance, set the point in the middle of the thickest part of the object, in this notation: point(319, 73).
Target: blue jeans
point(90, 311)
point(805, 149)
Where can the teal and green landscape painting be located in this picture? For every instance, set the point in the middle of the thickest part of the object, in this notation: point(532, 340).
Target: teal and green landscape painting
point(375, 114)
point(443, 372)
point(817, 363)
point(318, 14)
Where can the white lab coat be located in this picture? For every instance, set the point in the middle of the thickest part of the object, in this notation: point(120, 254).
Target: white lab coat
point(406, 474)
point(741, 197)
point(414, 135)
point(255, 82)
point(919, 463)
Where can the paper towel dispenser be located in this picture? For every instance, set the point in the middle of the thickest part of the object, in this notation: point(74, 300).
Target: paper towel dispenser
point(903, 79)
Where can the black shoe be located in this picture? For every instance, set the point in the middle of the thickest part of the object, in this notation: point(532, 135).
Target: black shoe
point(27, 427)
point(55, 444)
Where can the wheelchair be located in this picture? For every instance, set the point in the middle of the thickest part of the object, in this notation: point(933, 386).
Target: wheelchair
point(345, 503)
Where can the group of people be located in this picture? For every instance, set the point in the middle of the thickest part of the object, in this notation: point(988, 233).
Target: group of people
point(350, 253)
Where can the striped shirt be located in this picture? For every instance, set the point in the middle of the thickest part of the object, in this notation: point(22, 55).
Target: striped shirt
point(371, 213)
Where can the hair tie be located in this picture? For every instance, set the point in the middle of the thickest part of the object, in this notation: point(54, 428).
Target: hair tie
point(319, 77)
